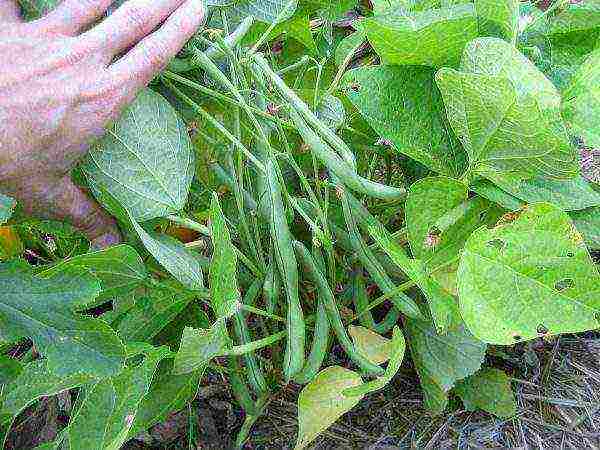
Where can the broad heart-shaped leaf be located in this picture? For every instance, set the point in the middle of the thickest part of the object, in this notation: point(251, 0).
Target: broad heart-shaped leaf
point(373, 346)
point(404, 106)
point(490, 390)
point(145, 160)
point(529, 276)
point(225, 295)
point(270, 11)
point(441, 361)
point(498, 18)
point(581, 107)
point(507, 119)
point(569, 195)
point(107, 408)
point(119, 269)
point(321, 402)
point(435, 37)
point(7, 205)
point(43, 310)
point(168, 393)
point(442, 304)
point(198, 346)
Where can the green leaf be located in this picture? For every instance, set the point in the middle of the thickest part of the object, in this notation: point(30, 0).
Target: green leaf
point(10, 368)
point(529, 276)
point(198, 346)
point(34, 9)
point(490, 390)
point(43, 310)
point(270, 11)
point(581, 107)
point(150, 314)
point(442, 304)
point(7, 206)
point(168, 393)
point(35, 381)
point(398, 348)
point(499, 18)
point(507, 119)
point(145, 160)
point(119, 269)
point(434, 37)
point(587, 222)
point(347, 45)
point(321, 402)
point(440, 217)
point(569, 195)
point(107, 408)
point(371, 345)
point(577, 16)
point(225, 295)
point(441, 361)
point(404, 106)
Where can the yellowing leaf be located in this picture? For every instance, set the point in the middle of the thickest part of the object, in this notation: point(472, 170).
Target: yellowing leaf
point(373, 346)
point(321, 402)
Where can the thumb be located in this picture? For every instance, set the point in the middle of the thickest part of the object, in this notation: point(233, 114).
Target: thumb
point(66, 201)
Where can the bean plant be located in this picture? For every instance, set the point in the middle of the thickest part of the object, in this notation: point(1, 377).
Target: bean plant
point(405, 182)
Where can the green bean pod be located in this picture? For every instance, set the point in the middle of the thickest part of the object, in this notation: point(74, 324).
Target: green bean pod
point(286, 261)
point(225, 178)
point(361, 302)
point(238, 387)
point(340, 168)
point(311, 269)
point(255, 374)
point(271, 286)
point(402, 301)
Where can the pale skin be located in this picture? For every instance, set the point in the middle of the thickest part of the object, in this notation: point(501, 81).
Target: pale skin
point(63, 79)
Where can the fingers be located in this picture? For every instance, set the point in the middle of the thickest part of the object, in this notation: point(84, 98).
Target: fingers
point(72, 16)
point(65, 201)
point(9, 11)
point(152, 54)
point(130, 23)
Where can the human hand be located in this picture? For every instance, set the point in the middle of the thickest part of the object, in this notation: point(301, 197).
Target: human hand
point(60, 86)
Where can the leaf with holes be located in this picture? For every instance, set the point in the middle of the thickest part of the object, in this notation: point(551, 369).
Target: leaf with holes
point(405, 107)
point(433, 37)
point(490, 390)
point(43, 309)
point(321, 402)
point(529, 276)
point(145, 160)
point(507, 118)
point(119, 269)
point(441, 361)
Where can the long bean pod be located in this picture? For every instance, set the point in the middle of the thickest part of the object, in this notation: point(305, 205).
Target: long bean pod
point(323, 289)
point(286, 261)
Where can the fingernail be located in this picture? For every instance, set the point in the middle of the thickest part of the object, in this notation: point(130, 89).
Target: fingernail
point(104, 241)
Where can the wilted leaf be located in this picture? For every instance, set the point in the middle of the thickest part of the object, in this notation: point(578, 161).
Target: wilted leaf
point(108, 408)
point(43, 310)
point(225, 295)
point(145, 160)
point(529, 276)
point(373, 346)
point(441, 361)
point(7, 205)
point(198, 346)
point(119, 269)
point(507, 119)
point(321, 402)
point(490, 390)
point(499, 18)
point(405, 107)
point(433, 37)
